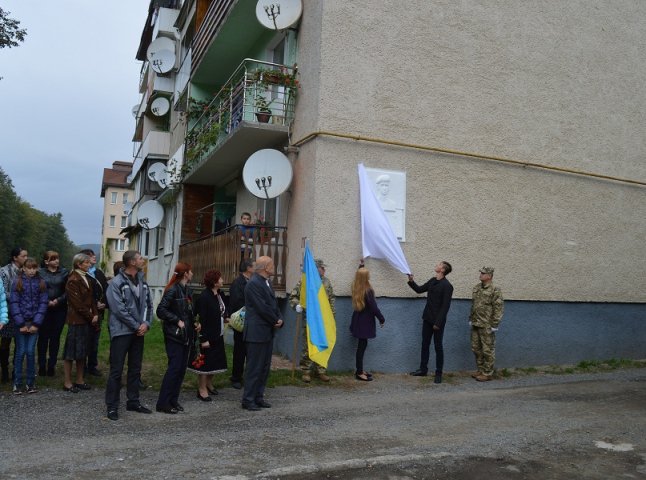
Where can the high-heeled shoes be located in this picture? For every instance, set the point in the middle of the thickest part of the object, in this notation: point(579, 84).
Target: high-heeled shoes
point(204, 399)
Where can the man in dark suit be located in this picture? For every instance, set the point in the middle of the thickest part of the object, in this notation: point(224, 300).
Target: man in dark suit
point(261, 319)
point(438, 302)
point(236, 302)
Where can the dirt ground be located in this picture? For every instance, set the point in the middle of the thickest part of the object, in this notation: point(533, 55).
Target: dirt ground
point(590, 426)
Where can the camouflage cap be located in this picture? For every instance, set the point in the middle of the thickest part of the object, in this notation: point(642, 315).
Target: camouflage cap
point(319, 263)
point(487, 270)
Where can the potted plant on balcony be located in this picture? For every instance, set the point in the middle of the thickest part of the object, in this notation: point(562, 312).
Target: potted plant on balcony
point(263, 112)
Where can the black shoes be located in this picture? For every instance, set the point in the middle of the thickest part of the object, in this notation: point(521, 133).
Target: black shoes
point(169, 410)
point(72, 389)
point(204, 399)
point(94, 372)
point(211, 390)
point(114, 414)
point(263, 404)
point(82, 386)
point(236, 385)
point(419, 373)
point(178, 407)
point(252, 407)
point(138, 408)
point(363, 377)
point(438, 378)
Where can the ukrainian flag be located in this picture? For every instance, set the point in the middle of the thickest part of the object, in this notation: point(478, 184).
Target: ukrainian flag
point(321, 327)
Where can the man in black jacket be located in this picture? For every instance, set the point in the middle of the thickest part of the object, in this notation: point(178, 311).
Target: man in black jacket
point(438, 302)
point(261, 319)
point(236, 302)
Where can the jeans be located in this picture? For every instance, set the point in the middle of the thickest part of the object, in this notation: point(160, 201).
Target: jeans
point(25, 346)
point(133, 346)
point(174, 377)
point(49, 337)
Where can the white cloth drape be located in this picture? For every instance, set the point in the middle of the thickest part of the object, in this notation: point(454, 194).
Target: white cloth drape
point(377, 236)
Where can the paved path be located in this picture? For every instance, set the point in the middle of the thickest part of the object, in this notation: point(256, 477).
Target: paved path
point(533, 427)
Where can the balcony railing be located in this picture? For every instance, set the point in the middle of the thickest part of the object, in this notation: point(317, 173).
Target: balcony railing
point(224, 250)
point(257, 92)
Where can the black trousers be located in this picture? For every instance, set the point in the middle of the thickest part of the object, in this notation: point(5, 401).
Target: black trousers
point(174, 376)
point(257, 371)
point(239, 355)
point(361, 349)
point(5, 348)
point(49, 337)
point(133, 347)
point(93, 345)
point(436, 335)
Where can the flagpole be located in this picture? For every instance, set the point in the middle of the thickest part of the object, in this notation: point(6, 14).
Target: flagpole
point(299, 317)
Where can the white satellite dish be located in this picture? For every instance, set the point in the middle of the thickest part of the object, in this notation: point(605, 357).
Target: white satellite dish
point(161, 55)
point(150, 214)
point(160, 106)
point(157, 173)
point(267, 173)
point(278, 14)
point(135, 110)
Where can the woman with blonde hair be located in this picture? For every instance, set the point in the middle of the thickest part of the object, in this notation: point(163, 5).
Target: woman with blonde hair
point(81, 314)
point(363, 325)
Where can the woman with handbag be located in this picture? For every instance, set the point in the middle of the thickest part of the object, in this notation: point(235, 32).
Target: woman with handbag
point(362, 325)
point(208, 356)
point(175, 310)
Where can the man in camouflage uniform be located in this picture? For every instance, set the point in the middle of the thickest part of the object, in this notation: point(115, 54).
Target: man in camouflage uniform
point(307, 365)
point(486, 313)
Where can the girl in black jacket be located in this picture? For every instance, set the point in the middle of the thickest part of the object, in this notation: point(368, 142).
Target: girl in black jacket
point(175, 311)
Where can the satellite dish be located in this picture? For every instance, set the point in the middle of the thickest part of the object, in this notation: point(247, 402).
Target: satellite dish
point(160, 106)
point(161, 55)
point(157, 173)
point(267, 173)
point(135, 110)
point(278, 14)
point(150, 214)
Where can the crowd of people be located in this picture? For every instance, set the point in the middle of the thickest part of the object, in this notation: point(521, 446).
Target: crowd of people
point(36, 301)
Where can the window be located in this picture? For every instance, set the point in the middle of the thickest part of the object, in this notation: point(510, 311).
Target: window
point(113, 220)
point(113, 198)
point(124, 221)
point(125, 198)
point(120, 245)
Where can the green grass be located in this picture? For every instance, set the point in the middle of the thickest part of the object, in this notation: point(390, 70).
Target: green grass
point(155, 361)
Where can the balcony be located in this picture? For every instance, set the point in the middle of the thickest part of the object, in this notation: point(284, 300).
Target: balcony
point(156, 145)
point(253, 110)
point(223, 251)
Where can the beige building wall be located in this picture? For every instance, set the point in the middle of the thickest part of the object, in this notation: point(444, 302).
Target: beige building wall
point(111, 234)
point(553, 83)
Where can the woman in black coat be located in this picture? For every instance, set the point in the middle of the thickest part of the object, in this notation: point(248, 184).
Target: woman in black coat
point(212, 313)
point(363, 324)
point(175, 311)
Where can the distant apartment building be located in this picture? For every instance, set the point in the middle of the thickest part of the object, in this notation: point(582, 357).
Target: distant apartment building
point(117, 201)
point(507, 142)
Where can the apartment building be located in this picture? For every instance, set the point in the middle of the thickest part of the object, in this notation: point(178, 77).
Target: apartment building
point(514, 133)
point(117, 201)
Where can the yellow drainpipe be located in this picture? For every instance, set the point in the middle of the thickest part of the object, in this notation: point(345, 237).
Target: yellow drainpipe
point(479, 156)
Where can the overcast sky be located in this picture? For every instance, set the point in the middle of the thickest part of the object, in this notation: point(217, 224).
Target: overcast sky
point(66, 101)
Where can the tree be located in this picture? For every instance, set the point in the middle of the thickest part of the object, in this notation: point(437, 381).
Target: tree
point(29, 228)
point(10, 34)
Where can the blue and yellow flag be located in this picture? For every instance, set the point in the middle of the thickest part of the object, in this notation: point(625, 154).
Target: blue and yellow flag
point(321, 328)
